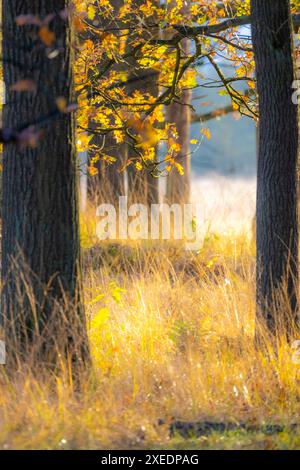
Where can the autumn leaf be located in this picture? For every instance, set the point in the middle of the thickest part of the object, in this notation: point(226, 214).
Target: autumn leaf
point(138, 166)
point(24, 85)
point(63, 105)
point(23, 20)
point(206, 133)
point(108, 159)
point(179, 168)
point(78, 24)
point(91, 12)
point(101, 317)
point(29, 137)
point(92, 171)
point(47, 36)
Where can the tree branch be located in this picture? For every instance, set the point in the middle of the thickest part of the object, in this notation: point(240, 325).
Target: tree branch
point(213, 114)
point(192, 31)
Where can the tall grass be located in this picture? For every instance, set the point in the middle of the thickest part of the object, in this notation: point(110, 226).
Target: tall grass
point(171, 337)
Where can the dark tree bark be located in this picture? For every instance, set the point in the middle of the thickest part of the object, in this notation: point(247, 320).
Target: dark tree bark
point(41, 297)
point(277, 219)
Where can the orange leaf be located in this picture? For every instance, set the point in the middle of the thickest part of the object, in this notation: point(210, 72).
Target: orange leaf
point(24, 85)
point(206, 132)
point(61, 103)
point(47, 36)
point(23, 20)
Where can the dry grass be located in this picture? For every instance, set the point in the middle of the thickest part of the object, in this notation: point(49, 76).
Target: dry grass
point(171, 337)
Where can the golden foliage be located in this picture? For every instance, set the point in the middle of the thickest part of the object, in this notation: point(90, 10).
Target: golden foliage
point(123, 54)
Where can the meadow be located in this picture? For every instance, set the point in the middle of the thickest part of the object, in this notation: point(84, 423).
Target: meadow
point(174, 359)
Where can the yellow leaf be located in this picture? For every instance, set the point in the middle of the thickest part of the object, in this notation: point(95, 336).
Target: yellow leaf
point(116, 292)
point(92, 171)
point(211, 262)
point(91, 12)
point(179, 168)
point(138, 166)
point(96, 299)
point(206, 132)
point(101, 317)
point(78, 24)
point(61, 103)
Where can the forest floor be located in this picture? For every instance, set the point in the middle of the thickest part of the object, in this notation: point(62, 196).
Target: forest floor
point(174, 361)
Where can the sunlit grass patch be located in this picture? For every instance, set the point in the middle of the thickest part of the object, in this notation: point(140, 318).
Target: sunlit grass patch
point(171, 336)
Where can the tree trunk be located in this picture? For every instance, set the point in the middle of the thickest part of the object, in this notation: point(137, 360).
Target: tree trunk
point(142, 185)
point(276, 217)
point(41, 297)
point(108, 184)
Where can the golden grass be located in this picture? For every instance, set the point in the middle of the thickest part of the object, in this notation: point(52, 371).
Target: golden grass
point(171, 337)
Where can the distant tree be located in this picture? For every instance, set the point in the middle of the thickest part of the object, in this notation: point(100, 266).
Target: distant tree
point(277, 217)
point(142, 185)
point(179, 113)
point(41, 274)
point(109, 183)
